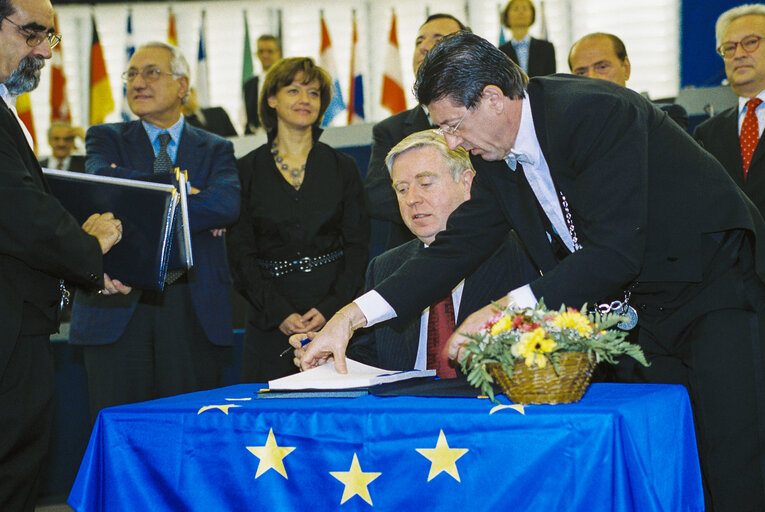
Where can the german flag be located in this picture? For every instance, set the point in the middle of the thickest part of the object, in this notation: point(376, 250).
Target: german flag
point(101, 100)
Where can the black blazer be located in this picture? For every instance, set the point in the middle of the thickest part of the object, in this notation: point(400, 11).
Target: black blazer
point(385, 347)
point(76, 163)
point(639, 190)
point(719, 136)
point(216, 121)
point(383, 204)
point(541, 56)
point(250, 89)
point(39, 244)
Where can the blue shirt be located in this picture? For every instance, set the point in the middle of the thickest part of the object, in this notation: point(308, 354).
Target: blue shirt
point(522, 51)
point(175, 132)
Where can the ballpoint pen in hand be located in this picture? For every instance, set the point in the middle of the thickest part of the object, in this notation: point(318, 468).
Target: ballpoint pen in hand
point(303, 343)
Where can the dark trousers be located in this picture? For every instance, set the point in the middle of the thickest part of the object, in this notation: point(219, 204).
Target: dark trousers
point(164, 351)
point(709, 336)
point(26, 413)
point(261, 355)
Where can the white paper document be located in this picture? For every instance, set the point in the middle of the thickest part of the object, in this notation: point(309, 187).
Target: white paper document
point(359, 376)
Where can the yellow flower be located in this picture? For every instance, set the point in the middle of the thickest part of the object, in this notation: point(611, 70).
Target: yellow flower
point(574, 320)
point(502, 325)
point(532, 345)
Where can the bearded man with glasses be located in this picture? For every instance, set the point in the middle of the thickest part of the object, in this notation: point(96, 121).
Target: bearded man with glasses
point(733, 135)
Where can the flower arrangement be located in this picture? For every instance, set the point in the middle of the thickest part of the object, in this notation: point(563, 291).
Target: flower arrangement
point(537, 337)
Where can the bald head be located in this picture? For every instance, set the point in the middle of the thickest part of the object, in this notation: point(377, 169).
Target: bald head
point(600, 55)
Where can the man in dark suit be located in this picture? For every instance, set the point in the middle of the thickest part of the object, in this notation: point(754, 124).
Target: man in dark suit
point(61, 138)
point(268, 51)
point(152, 344)
point(612, 201)
point(40, 245)
point(739, 31)
point(535, 56)
point(431, 181)
point(212, 119)
point(389, 132)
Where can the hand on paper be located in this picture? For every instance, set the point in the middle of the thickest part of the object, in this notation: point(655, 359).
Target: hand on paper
point(332, 340)
point(105, 228)
point(313, 320)
point(473, 323)
point(112, 286)
point(292, 324)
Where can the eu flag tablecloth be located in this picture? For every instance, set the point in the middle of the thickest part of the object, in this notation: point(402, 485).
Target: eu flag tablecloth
point(624, 447)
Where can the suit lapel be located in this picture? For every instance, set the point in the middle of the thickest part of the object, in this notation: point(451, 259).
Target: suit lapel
point(140, 155)
point(33, 166)
point(188, 155)
point(417, 120)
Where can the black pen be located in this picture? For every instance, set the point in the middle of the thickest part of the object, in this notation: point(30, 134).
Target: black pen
point(303, 343)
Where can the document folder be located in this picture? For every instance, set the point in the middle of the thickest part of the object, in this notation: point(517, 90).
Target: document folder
point(148, 214)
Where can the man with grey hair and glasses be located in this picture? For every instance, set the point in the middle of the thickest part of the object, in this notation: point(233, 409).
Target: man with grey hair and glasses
point(41, 245)
point(151, 344)
point(733, 135)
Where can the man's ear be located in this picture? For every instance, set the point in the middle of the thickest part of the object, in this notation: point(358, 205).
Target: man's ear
point(466, 178)
point(183, 82)
point(493, 97)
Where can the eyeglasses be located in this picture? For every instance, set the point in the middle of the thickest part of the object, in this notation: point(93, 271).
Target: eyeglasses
point(35, 38)
point(452, 130)
point(149, 74)
point(749, 44)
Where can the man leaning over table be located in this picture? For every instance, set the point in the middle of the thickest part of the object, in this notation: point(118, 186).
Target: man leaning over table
point(430, 181)
point(40, 245)
point(612, 201)
point(152, 344)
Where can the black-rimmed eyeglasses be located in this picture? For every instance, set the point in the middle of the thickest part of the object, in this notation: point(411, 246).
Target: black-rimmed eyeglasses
point(34, 38)
point(728, 49)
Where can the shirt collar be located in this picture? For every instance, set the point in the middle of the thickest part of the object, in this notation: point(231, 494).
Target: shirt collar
point(742, 101)
point(526, 40)
point(9, 100)
point(174, 131)
point(526, 148)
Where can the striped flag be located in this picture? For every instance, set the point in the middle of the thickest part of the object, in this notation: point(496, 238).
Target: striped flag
point(24, 111)
point(202, 87)
point(502, 39)
point(101, 100)
point(327, 61)
point(356, 89)
point(59, 103)
point(127, 115)
point(393, 97)
point(172, 34)
point(247, 67)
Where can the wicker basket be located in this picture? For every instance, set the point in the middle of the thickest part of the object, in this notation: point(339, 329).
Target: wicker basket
point(542, 385)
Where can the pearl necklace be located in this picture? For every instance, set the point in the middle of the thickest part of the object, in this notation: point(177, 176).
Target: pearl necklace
point(295, 173)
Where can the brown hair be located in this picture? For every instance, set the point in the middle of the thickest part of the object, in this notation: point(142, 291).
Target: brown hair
point(282, 74)
point(507, 9)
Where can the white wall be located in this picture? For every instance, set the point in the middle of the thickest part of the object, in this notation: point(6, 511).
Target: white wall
point(648, 28)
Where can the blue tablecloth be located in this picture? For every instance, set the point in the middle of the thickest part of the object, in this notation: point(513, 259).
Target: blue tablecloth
point(622, 448)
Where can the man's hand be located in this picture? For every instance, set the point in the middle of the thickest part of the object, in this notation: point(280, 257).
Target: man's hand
point(332, 340)
point(292, 324)
point(473, 323)
point(313, 320)
point(218, 231)
point(112, 286)
point(105, 228)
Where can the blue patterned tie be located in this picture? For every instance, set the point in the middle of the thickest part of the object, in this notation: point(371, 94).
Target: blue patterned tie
point(162, 164)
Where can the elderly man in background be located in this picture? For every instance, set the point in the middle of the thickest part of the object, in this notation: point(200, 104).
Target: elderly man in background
point(151, 344)
point(389, 132)
point(61, 137)
point(733, 135)
point(40, 246)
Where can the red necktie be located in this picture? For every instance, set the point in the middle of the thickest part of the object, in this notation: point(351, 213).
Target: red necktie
point(440, 327)
point(750, 133)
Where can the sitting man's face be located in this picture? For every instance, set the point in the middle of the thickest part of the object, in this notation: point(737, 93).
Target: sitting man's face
point(61, 140)
point(426, 191)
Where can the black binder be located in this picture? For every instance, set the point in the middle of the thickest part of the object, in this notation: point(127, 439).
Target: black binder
point(148, 212)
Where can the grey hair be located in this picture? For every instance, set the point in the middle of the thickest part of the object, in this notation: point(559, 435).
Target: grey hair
point(179, 66)
point(728, 16)
point(456, 160)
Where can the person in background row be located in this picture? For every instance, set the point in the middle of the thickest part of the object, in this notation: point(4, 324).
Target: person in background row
point(604, 56)
point(389, 132)
point(61, 137)
point(299, 249)
point(40, 245)
point(269, 50)
point(152, 344)
point(212, 119)
point(430, 182)
point(734, 135)
point(535, 56)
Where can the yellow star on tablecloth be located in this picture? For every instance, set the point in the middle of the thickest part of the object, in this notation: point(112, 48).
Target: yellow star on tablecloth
point(271, 455)
point(355, 481)
point(442, 458)
point(223, 408)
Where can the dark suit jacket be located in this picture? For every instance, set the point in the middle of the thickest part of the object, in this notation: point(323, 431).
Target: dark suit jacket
point(216, 121)
point(719, 136)
point(385, 347)
point(383, 204)
point(639, 190)
point(39, 244)
point(251, 88)
point(210, 161)
point(541, 56)
point(76, 163)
